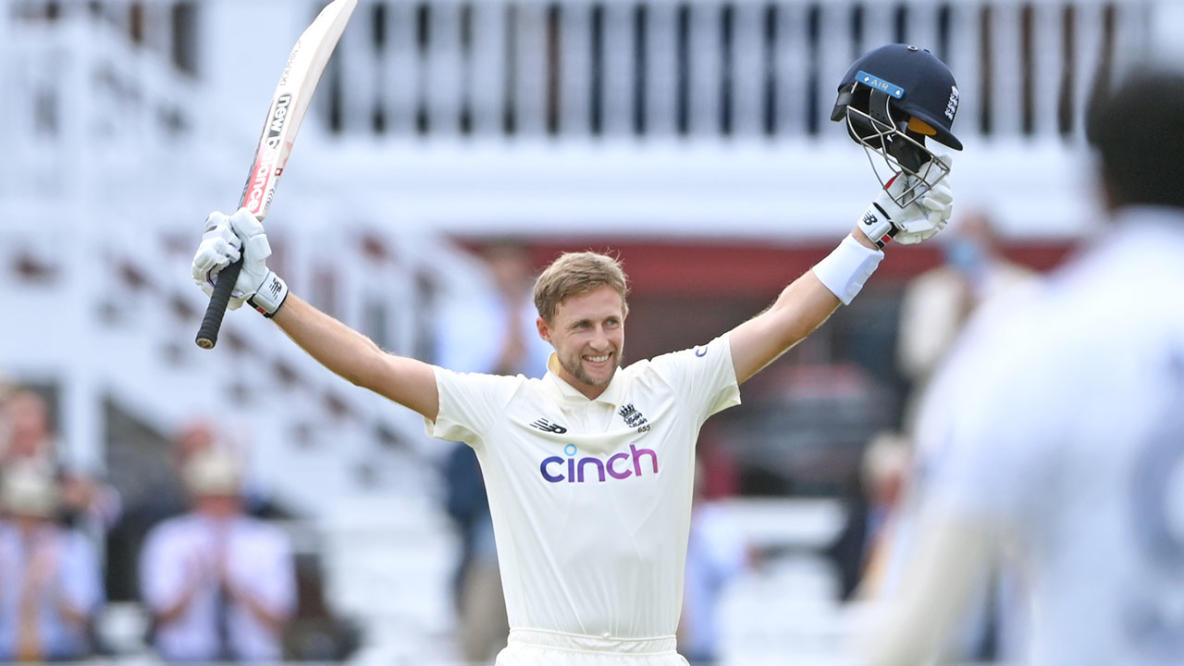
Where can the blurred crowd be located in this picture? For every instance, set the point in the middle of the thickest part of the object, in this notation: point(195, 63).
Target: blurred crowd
point(215, 576)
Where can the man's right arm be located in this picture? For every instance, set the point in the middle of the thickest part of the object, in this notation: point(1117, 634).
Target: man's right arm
point(357, 359)
point(350, 354)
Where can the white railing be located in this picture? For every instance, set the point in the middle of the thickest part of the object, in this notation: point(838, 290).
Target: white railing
point(578, 69)
point(708, 69)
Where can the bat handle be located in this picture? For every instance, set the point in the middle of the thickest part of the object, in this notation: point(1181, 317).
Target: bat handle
point(207, 335)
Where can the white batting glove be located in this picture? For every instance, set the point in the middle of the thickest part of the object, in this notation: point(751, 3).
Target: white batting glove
point(218, 248)
point(884, 220)
point(224, 239)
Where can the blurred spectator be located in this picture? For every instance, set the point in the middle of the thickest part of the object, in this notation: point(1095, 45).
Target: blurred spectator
point(49, 575)
point(477, 587)
point(1063, 428)
point(160, 494)
point(28, 436)
point(884, 474)
point(716, 554)
point(871, 504)
point(83, 501)
point(490, 331)
point(492, 328)
point(218, 584)
point(937, 303)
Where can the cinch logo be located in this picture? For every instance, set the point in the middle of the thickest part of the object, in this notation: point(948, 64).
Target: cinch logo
point(618, 466)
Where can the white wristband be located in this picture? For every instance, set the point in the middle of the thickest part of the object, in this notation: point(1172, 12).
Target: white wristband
point(270, 295)
point(847, 267)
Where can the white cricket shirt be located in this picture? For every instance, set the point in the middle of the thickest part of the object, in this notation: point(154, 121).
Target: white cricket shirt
point(1071, 438)
point(591, 499)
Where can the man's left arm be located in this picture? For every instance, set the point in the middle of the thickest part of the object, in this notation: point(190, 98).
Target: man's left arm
point(800, 308)
point(809, 300)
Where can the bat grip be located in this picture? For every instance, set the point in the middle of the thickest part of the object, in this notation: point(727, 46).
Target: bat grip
point(207, 335)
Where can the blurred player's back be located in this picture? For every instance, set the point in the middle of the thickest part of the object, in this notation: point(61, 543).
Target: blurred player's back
point(1061, 446)
point(1098, 464)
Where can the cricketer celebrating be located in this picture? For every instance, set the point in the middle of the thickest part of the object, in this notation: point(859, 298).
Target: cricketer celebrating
point(590, 468)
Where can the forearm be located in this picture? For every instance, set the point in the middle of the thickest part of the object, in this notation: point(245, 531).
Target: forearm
point(334, 345)
point(357, 359)
point(800, 308)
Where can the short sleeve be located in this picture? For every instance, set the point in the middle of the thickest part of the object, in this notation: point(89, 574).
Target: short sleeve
point(703, 377)
point(469, 404)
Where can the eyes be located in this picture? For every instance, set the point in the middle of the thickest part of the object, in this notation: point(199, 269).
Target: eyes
point(612, 323)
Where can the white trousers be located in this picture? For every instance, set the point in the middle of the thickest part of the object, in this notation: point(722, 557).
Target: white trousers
point(536, 647)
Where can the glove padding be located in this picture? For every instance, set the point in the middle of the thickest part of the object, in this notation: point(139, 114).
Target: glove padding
point(224, 241)
point(884, 220)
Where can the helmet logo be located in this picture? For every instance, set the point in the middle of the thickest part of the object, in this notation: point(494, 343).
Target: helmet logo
point(952, 105)
point(876, 83)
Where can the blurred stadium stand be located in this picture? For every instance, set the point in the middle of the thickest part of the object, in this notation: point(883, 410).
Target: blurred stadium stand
point(692, 136)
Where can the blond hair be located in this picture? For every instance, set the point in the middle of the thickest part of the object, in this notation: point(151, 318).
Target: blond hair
point(575, 273)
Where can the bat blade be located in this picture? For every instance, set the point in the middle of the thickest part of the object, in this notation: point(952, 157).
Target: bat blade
point(293, 94)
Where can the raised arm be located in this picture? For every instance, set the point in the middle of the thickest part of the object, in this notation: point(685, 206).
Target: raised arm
point(339, 348)
point(809, 300)
point(353, 356)
point(800, 308)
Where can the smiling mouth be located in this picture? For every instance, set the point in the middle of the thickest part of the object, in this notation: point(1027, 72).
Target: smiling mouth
point(598, 359)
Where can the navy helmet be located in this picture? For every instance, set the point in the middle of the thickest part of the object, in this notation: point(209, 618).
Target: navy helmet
point(892, 99)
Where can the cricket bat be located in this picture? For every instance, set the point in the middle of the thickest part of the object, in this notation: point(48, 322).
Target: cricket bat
point(292, 95)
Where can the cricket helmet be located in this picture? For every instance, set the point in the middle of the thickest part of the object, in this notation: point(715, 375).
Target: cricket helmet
point(892, 99)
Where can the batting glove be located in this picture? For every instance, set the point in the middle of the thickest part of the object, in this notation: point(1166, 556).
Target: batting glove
point(224, 240)
point(885, 220)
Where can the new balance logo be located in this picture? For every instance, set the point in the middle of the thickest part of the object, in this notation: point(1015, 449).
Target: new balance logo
point(869, 219)
point(547, 426)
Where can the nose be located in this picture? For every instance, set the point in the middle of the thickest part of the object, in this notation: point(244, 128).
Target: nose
point(601, 339)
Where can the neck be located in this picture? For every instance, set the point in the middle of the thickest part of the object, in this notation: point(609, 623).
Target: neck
point(589, 391)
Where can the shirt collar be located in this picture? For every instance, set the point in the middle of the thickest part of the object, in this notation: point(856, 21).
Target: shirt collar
point(568, 393)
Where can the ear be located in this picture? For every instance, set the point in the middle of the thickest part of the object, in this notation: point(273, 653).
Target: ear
point(544, 330)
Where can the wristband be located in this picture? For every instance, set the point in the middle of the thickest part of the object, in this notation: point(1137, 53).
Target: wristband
point(270, 295)
point(847, 267)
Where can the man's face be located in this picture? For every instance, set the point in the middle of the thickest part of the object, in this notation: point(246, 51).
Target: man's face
point(588, 333)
